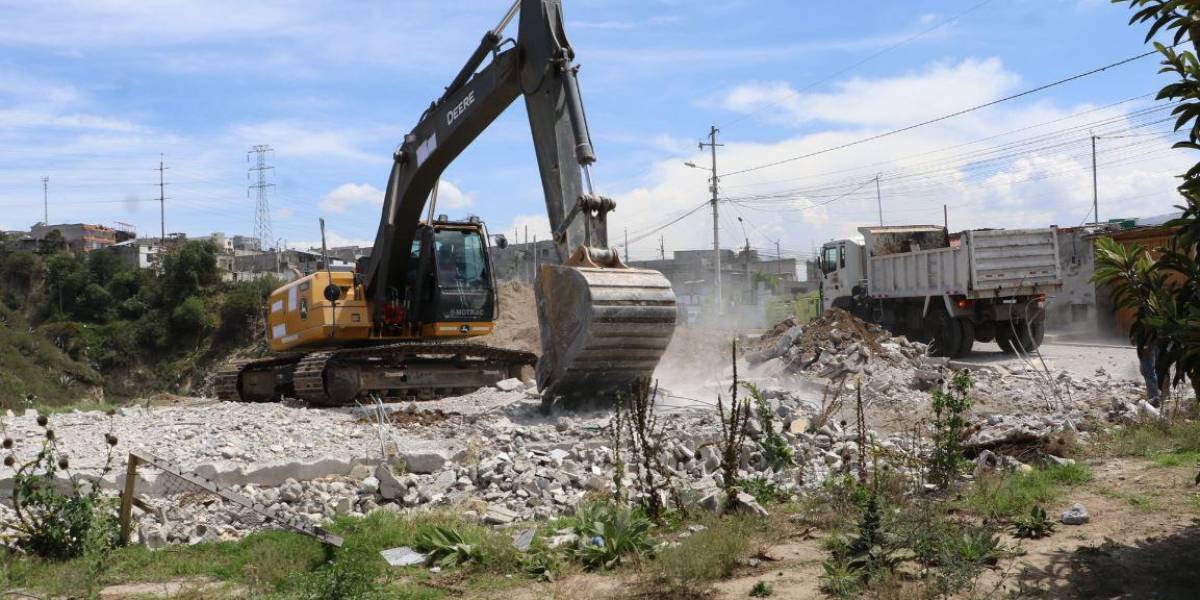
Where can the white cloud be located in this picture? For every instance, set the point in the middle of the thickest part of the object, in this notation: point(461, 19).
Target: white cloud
point(450, 196)
point(537, 226)
point(298, 139)
point(806, 202)
point(890, 102)
point(349, 195)
point(333, 239)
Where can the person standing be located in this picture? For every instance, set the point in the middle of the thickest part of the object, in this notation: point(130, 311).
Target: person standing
point(1148, 364)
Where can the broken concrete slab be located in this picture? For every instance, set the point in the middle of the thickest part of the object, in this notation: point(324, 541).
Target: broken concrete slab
point(390, 488)
point(403, 556)
point(511, 384)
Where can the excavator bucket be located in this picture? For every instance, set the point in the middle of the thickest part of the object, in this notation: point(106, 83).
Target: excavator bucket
point(601, 329)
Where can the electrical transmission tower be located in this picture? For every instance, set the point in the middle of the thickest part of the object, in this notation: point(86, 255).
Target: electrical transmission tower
point(258, 173)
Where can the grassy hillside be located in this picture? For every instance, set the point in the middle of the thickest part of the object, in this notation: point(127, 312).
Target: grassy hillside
point(74, 324)
point(33, 371)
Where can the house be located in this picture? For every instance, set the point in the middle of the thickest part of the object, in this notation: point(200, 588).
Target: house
point(80, 237)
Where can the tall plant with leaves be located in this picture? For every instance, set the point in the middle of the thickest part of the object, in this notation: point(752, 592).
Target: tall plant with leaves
point(1166, 294)
point(949, 423)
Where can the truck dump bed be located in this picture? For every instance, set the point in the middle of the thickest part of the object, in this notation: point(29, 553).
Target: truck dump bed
point(985, 263)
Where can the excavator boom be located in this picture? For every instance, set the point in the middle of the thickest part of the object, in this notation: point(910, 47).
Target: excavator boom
point(603, 324)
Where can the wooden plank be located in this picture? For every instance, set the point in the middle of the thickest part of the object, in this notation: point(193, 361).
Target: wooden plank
point(294, 523)
point(126, 514)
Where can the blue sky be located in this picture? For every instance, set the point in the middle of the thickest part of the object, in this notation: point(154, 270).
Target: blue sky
point(92, 92)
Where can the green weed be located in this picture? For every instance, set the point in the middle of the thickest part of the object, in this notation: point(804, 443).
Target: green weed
point(1004, 496)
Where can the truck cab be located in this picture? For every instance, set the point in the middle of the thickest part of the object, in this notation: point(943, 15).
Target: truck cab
point(843, 267)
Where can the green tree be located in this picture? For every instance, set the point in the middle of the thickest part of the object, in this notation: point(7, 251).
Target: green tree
point(187, 270)
point(93, 304)
point(125, 285)
point(1166, 293)
point(52, 242)
point(190, 318)
point(243, 304)
point(104, 265)
point(19, 270)
point(66, 277)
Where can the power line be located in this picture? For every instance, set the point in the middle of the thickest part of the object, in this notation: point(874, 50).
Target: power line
point(944, 117)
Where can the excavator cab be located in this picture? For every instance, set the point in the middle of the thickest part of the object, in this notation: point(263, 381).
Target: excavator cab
point(453, 292)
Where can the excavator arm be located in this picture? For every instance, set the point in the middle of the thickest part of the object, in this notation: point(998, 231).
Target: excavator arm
point(602, 323)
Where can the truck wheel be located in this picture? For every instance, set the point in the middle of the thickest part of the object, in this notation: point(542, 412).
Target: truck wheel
point(947, 335)
point(967, 331)
point(1004, 340)
point(1039, 333)
point(985, 332)
point(1030, 337)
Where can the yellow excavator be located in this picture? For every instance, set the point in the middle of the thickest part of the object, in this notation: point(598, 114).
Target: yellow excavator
point(396, 326)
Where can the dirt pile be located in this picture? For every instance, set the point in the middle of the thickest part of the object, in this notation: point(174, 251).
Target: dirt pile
point(516, 323)
point(838, 344)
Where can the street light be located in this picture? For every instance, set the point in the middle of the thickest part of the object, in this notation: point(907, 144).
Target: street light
point(692, 165)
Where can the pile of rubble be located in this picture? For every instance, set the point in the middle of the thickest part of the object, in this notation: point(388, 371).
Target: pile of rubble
point(838, 345)
point(531, 468)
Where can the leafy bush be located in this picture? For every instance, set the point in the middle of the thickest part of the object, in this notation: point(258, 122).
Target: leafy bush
point(93, 303)
point(190, 318)
point(609, 532)
point(244, 303)
point(764, 490)
point(761, 589)
point(446, 546)
point(52, 523)
point(1033, 526)
point(975, 544)
point(339, 580)
point(776, 449)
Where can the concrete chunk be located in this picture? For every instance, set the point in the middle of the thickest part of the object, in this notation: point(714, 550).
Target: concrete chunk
point(511, 384)
point(402, 556)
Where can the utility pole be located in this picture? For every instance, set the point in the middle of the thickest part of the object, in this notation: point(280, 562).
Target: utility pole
point(46, 200)
point(162, 202)
point(879, 199)
point(1095, 187)
point(535, 258)
point(262, 209)
point(778, 261)
point(662, 248)
point(746, 260)
point(945, 218)
point(712, 143)
point(626, 245)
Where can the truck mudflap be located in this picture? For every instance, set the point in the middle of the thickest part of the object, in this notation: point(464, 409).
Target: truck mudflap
point(601, 329)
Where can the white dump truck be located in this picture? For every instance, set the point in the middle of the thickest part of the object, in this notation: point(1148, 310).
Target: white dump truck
point(949, 290)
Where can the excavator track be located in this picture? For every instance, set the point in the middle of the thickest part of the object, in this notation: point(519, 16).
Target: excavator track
point(423, 369)
point(225, 383)
point(308, 379)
